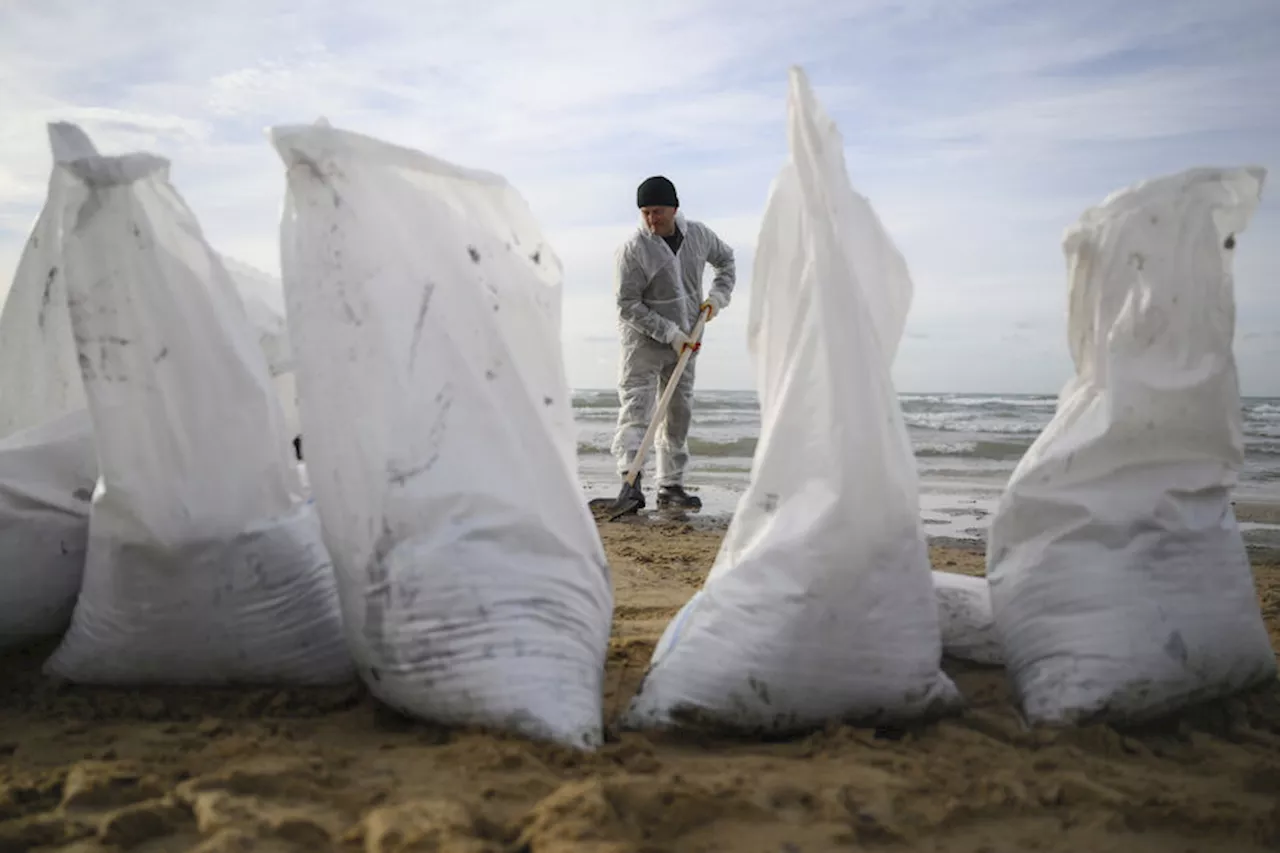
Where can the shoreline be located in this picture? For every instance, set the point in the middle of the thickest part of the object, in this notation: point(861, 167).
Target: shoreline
point(1259, 521)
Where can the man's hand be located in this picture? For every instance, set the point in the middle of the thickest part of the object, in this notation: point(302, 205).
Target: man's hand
point(712, 306)
point(680, 341)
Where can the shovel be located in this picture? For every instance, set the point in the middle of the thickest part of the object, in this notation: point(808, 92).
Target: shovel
point(631, 498)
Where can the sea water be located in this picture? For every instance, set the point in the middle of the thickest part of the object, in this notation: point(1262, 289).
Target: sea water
point(966, 446)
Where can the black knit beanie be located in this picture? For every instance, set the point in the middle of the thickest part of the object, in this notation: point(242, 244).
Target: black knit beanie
point(657, 192)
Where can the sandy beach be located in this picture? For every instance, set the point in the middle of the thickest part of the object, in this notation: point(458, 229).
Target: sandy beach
point(293, 770)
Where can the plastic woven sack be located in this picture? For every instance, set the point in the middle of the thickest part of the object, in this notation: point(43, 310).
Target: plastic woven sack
point(965, 620)
point(39, 368)
point(39, 372)
point(47, 462)
point(1120, 585)
point(263, 298)
point(423, 311)
point(820, 605)
point(47, 475)
point(201, 568)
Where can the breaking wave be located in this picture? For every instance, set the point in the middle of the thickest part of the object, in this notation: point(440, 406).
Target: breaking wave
point(746, 447)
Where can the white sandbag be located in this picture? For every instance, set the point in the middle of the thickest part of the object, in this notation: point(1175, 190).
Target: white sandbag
point(47, 475)
point(820, 604)
point(200, 566)
point(439, 444)
point(39, 369)
point(1120, 584)
point(263, 298)
point(39, 372)
point(964, 618)
point(47, 463)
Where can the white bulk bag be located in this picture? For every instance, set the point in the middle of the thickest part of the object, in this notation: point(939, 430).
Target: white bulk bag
point(964, 618)
point(423, 313)
point(263, 298)
point(39, 371)
point(47, 462)
point(820, 605)
point(200, 566)
point(1120, 584)
point(47, 475)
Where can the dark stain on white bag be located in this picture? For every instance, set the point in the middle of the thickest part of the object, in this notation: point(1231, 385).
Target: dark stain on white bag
point(427, 291)
point(435, 435)
point(110, 365)
point(48, 294)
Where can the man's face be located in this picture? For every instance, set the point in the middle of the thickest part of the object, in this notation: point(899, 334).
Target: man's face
point(660, 220)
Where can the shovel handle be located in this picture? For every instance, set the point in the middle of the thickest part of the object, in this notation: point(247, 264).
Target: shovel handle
point(695, 340)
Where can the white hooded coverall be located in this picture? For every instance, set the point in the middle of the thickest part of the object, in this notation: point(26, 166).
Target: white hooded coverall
point(659, 293)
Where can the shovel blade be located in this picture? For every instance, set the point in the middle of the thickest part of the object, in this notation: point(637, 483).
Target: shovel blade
point(623, 508)
point(630, 499)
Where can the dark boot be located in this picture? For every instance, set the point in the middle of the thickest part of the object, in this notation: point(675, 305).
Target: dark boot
point(675, 497)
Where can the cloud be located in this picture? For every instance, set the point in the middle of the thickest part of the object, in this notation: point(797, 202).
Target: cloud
point(979, 129)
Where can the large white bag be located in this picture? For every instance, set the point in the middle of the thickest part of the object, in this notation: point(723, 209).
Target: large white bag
point(39, 367)
point(1120, 584)
point(201, 566)
point(47, 462)
point(263, 298)
point(820, 605)
point(423, 312)
point(39, 372)
point(965, 620)
point(47, 475)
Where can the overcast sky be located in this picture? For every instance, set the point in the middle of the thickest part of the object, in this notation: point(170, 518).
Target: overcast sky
point(979, 129)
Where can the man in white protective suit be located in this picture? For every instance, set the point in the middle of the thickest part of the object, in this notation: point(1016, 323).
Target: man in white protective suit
point(658, 284)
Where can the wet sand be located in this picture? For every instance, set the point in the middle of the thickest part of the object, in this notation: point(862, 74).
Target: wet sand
point(292, 770)
point(1256, 512)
